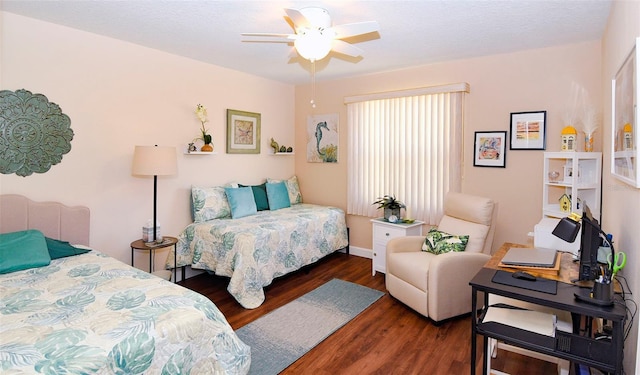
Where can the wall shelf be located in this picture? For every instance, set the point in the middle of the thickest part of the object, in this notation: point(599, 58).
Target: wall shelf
point(283, 153)
point(200, 153)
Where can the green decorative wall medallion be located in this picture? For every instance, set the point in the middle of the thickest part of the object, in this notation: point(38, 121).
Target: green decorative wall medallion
point(34, 133)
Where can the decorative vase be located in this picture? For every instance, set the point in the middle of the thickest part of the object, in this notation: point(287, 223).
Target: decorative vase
point(588, 142)
point(206, 148)
point(391, 211)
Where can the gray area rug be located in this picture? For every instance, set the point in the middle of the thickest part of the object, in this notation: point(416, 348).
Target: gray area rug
point(281, 337)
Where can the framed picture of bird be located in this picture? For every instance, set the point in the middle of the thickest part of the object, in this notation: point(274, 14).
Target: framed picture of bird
point(322, 138)
point(243, 132)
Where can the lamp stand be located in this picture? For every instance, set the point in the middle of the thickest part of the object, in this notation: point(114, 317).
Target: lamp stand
point(155, 211)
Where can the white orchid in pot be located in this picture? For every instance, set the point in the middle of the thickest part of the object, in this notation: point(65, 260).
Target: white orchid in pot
point(391, 207)
point(201, 113)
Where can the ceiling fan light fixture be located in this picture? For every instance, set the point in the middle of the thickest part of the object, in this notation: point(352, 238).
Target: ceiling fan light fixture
point(313, 45)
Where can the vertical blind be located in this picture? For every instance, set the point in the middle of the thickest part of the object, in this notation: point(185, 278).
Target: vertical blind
point(407, 144)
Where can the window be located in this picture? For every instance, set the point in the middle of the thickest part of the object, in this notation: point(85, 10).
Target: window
point(408, 144)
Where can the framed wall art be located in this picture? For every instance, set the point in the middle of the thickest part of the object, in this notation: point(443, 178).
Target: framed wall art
point(322, 138)
point(625, 135)
point(489, 149)
point(243, 132)
point(528, 130)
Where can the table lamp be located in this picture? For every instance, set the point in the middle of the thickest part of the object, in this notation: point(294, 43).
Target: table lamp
point(567, 230)
point(154, 161)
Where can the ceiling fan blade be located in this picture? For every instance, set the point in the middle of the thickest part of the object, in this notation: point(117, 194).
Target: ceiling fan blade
point(346, 48)
point(271, 35)
point(353, 29)
point(299, 20)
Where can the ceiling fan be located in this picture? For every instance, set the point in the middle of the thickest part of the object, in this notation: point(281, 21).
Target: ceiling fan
point(315, 36)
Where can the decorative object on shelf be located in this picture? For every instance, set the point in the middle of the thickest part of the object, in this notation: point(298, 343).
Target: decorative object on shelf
point(154, 161)
point(35, 133)
point(625, 137)
point(489, 149)
point(391, 207)
point(628, 137)
point(280, 149)
point(243, 132)
point(569, 137)
point(528, 130)
point(201, 113)
point(589, 127)
point(565, 203)
point(191, 147)
point(553, 176)
point(275, 146)
point(322, 138)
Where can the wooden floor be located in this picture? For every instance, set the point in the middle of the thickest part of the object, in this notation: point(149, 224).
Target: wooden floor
point(387, 338)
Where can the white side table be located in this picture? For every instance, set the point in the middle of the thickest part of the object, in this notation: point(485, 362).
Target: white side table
point(383, 231)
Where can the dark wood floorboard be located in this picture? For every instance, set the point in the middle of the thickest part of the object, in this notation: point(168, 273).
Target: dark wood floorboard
point(387, 338)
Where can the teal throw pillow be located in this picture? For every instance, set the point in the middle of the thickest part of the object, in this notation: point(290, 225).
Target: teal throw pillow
point(293, 188)
point(260, 196)
point(60, 249)
point(241, 201)
point(278, 195)
point(23, 250)
point(438, 242)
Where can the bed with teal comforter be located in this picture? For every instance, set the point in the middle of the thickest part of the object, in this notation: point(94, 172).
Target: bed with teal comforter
point(91, 314)
point(256, 249)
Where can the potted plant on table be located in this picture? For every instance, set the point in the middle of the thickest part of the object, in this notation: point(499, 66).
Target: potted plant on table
point(391, 207)
point(201, 112)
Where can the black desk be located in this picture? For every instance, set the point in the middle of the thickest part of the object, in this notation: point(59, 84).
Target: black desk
point(605, 355)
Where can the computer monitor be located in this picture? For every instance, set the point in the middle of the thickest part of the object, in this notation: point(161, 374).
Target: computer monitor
point(590, 241)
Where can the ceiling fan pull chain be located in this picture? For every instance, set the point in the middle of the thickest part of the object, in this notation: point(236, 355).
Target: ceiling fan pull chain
point(313, 84)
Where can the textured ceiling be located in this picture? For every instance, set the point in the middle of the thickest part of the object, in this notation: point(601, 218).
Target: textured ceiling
point(411, 32)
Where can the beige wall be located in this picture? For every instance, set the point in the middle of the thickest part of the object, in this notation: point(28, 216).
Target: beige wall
point(119, 95)
point(621, 202)
point(525, 81)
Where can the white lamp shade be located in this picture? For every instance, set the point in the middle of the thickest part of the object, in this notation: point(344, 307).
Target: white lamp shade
point(154, 161)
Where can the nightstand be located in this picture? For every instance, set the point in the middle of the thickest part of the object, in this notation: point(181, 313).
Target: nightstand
point(383, 231)
point(167, 241)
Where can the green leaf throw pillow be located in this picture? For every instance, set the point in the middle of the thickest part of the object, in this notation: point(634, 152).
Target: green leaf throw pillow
point(438, 242)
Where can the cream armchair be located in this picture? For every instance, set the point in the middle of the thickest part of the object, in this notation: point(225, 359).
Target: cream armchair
point(437, 286)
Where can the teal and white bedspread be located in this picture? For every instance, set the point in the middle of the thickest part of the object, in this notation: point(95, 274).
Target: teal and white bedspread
point(91, 314)
point(256, 249)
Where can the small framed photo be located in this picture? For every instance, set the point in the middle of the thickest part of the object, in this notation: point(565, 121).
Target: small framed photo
point(528, 130)
point(489, 149)
point(243, 132)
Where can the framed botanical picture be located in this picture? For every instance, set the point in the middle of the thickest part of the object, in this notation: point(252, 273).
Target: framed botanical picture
point(322, 138)
point(528, 130)
point(243, 132)
point(489, 149)
point(625, 135)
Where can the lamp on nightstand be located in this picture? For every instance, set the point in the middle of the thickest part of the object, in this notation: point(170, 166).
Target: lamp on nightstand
point(154, 161)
